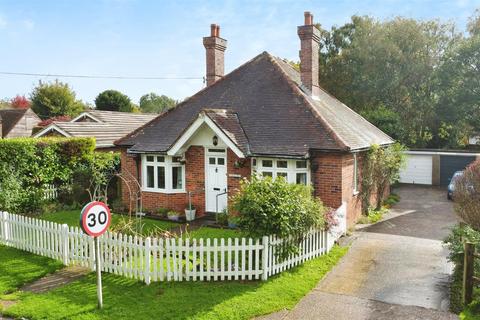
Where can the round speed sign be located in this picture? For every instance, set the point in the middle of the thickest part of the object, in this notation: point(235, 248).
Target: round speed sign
point(95, 218)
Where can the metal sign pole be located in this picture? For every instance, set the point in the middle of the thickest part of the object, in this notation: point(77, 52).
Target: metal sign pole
point(99, 273)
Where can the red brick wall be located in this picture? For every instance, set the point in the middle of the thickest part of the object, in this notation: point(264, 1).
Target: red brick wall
point(236, 173)
point(327, 178)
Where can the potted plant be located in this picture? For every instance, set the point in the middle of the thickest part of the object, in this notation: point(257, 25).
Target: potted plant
point(173, 215)
point(190, 212)
point(232, 221)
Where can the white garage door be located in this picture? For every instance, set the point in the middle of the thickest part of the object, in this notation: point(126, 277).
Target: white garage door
point(418, 169)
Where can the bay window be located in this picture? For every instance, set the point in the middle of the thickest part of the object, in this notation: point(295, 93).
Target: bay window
point(294, 171)
point(163, 174)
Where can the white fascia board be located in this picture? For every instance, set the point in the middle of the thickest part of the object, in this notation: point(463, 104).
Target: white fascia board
point(51, 127)
point(85, 114)
point(443, 153)
point(202, 118)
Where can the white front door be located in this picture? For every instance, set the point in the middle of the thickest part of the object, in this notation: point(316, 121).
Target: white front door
point(216, 180)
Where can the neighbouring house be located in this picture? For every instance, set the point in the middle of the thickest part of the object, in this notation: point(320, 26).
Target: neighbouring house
point(104, 126)
point(15, 123)
point(265, 117)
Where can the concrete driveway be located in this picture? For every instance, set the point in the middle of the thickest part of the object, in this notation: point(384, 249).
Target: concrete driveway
point(396, 269)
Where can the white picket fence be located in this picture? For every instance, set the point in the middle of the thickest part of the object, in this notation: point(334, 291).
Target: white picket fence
point(50, 192)
point(163, 259)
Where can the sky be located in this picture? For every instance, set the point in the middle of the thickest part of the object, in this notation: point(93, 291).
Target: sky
point(142, 38)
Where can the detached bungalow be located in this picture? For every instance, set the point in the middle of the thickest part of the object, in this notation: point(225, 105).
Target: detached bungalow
point(104, 126)
point(15, 123)
point(265, 117)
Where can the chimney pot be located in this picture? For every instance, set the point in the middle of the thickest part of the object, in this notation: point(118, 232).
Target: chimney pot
point(213, 30)
point(308, 18)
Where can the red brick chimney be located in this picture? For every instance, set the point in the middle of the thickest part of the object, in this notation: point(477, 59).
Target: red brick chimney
point(309, 55)
point(215, 47)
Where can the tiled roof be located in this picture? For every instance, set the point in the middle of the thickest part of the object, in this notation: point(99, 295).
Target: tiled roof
point(229, 123)
point(276, 114)
point(9, 118)
point(113, 126)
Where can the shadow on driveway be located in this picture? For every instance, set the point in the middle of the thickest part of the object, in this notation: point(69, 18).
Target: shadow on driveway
point(423, 212)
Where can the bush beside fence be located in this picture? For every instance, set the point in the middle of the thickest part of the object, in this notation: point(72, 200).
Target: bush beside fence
point(162, 259)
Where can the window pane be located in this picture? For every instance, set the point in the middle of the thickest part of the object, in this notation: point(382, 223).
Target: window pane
point(221, 161)
point(267, 174)
point(176, 159)
point(161, 177)
point(301, 178)
point(267, 163)
point(150, 177)
point(282, 164)
point(161, 159)
point(150, 158)
point(282, 174)
point(254, 162)
point(177, 178)
point(211, 160)
point(301, 164)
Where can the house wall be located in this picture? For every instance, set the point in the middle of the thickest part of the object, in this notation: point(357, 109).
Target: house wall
point(332, 178)
point(24, 126)
point(237, 169)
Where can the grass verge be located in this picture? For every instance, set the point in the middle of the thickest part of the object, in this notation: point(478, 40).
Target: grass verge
point(128, 299)
point(19, 267)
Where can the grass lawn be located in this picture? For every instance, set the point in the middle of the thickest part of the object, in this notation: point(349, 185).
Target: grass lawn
point(129, 299)
point(72, 218)
point(19, 267)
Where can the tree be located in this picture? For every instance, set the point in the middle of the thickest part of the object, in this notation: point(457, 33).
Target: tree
point(55, 99)
point(20, 102)
point(458, 83)
point(153, 103)
point(369, 64)
point(113, 100)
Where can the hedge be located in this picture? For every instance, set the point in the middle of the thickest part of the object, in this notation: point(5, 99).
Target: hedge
point(27, 165)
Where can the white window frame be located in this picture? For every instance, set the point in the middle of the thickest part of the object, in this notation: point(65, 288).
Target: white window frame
point(291, 170)
point(168, 164)
point(355, 173)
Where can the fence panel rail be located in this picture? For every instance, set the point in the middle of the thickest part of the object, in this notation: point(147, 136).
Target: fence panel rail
point(164, 259)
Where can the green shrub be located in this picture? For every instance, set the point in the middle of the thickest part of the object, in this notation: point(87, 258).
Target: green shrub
point(222, 218)
point(28, 164)
point(454, 242)
point(391, 200)
point(276, 207)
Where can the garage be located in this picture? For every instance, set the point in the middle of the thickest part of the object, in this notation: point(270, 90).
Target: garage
point(434, 167)
point(418, 169)
point(451, 163)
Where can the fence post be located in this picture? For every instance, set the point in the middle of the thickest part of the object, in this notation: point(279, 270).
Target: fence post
point(65, 243)
point(147, 260)
point(265, 258)
point(5, 227)
point(468, 261)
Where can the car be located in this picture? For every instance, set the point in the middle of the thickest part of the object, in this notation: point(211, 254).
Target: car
point(451, 185)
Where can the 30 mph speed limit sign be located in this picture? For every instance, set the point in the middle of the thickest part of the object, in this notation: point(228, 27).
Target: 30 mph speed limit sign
point(95, 218)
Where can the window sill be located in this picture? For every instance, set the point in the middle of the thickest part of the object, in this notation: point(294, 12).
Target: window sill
point(164, 191)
